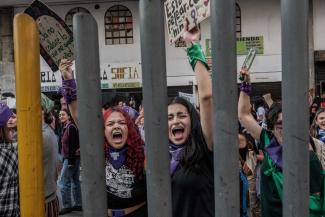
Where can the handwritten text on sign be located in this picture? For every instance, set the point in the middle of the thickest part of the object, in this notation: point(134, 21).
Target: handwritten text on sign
point(54, 39)
point(176, 11)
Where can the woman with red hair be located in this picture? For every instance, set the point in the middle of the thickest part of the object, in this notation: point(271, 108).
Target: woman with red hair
point(124, 154)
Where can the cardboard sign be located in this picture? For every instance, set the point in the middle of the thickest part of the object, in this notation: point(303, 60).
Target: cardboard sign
point(56, 38)
point(176, 11)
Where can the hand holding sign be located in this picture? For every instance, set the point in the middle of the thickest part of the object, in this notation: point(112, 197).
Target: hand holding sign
point(176, 11)
point(56, 39)
point(192, 35)
point(65, 69)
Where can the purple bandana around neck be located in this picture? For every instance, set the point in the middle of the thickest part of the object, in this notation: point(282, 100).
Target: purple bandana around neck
point(116, 156)
point(175, 152)
point(274, 149)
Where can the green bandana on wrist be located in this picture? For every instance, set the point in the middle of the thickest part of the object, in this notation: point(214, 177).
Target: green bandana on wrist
point(195, 54)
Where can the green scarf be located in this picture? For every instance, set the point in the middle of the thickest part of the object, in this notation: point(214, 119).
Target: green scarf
point(316, 202)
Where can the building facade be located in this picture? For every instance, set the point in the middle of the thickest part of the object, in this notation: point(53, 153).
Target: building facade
point(258, 24)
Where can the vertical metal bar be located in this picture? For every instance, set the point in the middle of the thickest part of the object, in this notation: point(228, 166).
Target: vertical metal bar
point(28, 89)
point(155, 106)
point(91, 132)
point(311, 45)
point(295, 110)
point(224, 78)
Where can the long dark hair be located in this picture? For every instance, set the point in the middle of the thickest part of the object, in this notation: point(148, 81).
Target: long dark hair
point(272, 115)
point(4, 135)
point(195, 147)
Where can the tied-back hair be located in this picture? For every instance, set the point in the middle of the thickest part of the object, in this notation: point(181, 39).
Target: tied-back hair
point(135, 151)
point(314, 127)
point(272, 115)
point(196, 149)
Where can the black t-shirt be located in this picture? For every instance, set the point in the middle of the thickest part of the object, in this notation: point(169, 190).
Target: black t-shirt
point(123, 188)
point(193, 192)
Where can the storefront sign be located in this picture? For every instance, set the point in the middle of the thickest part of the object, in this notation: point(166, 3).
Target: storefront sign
point(176, 11)
point(56, 39)
point(112, 76)
point(243, 44)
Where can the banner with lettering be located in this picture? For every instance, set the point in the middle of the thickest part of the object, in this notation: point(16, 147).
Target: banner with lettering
point(121, 75)
point(112, 76)
point(243, 45)
point(56, 38)
point(176, 11)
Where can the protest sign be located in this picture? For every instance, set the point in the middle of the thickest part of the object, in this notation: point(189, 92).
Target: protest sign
point(176, 11)
point(56, 39)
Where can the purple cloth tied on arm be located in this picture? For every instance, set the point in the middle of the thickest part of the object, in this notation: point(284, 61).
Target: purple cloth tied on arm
point(246, 88)
point(69, 90)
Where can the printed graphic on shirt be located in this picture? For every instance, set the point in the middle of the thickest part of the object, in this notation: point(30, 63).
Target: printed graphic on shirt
point(119, 182)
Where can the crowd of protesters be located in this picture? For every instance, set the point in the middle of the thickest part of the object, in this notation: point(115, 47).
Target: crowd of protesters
point(260, 141)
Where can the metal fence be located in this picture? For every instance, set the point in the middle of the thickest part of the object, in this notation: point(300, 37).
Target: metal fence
point(295, 109)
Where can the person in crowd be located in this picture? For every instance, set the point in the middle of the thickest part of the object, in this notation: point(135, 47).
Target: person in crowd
point(313, 111)
point(243, 192)
point(317, 132)
point(63, 103)
point(50, 150)
point(317, 128)
point(140, 122)
point(9, 198)
point(190, 142)
point(132, 102)
point(260, 112)
point(248, 159)
point(271, 142)
point(70, 172)
point(124, 154)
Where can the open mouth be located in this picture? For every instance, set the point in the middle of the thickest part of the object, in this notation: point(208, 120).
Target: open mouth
point(178, 132)
point(117, 136)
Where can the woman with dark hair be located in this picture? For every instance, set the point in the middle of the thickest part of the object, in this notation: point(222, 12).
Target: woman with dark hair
point(9, 201)
point(190, 138)
point(69, 178)
point(271, 142)
point(124, 153)
point(248, 161)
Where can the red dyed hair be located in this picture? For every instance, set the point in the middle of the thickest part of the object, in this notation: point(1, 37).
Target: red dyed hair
point(135, 152)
